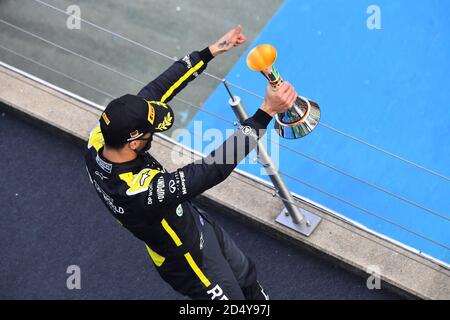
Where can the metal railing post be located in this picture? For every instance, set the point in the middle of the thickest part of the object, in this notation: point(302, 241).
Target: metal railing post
point(302, 220)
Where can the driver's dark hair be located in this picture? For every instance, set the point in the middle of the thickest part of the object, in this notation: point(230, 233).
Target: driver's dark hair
point(113, 144)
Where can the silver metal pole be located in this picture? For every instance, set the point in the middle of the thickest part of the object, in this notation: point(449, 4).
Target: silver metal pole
point(268, 164)
point(302, 220)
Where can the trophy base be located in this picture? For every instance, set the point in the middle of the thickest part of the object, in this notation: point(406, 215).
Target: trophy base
point(294, 125)
point(305, 228)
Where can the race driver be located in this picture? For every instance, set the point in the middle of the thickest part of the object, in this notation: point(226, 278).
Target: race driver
point(191, 252)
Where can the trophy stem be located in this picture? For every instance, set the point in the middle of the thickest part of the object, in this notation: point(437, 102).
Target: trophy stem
point(273, 76)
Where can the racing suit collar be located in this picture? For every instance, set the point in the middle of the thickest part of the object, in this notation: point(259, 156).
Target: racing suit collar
point(132, 163)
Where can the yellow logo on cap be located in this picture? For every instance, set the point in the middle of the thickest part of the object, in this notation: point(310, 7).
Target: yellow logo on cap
point(105, 117)
point(159, 103)
point(165, 123)
point(151, 113)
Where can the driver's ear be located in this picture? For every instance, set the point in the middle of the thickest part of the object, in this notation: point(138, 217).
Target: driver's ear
point(133, 144)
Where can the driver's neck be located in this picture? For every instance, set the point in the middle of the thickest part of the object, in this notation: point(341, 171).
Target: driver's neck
point(118, 156)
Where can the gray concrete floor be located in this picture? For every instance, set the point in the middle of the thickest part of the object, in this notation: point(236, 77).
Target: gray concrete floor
point(174, 27)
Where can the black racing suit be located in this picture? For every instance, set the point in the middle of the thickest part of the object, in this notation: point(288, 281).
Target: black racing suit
point(190, 251)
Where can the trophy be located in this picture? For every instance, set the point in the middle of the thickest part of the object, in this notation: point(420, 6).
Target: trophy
point(304, 116)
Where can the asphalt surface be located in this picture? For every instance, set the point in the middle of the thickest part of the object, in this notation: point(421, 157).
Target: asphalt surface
point(52, 218)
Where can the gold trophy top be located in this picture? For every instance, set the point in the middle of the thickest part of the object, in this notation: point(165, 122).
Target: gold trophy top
point(262, 57)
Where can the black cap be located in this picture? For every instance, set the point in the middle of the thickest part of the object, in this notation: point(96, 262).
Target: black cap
point(130, 117)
